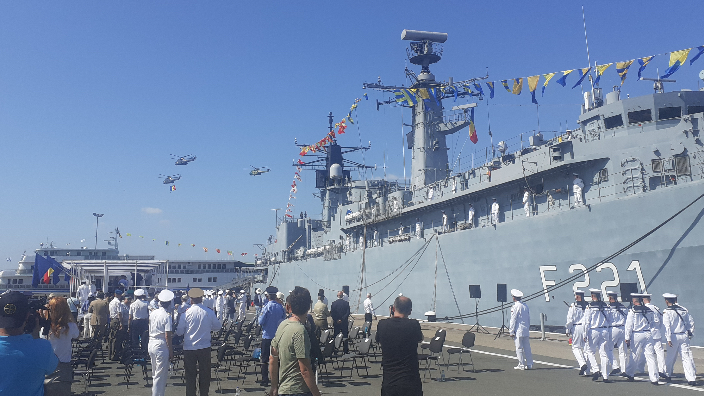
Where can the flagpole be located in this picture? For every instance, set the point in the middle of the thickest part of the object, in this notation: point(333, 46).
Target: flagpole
point(589, 62)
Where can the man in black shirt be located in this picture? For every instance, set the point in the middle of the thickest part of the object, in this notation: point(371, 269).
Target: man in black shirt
point(340, 312)
point(399, 337)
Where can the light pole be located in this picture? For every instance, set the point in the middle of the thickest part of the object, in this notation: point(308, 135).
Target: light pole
point(97, 218)
point(276, 215)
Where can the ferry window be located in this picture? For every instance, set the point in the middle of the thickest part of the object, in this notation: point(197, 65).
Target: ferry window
point(20, 281)
point(209, 266)
point(666, 113)
point(199, 266)
point(179, 280)
point(178, 266)
point(14, 281)
point(195, 279)
point(215, 279)
point(9, 281)
point(637, 116)
point(200, 279)
point(210, 279)
point(695, 109)
point(78, 253)
point(613, 121)
point(104, 254)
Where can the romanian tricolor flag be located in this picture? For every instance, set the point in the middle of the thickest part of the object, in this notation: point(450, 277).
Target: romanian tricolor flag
point(229, 252)
point(217, 250)
point(472, 130)
point(205, 249)
point(46, 279)
point(172, 188)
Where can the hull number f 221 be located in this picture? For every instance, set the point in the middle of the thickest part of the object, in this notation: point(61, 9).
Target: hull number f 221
point(584, 284)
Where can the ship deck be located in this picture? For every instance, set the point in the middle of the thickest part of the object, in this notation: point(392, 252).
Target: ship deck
point(554, 372)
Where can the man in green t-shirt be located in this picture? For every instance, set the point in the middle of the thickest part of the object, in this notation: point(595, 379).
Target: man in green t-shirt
point(289, 363)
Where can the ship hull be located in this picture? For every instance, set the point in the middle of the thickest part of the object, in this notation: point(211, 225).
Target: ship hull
point(531, 255)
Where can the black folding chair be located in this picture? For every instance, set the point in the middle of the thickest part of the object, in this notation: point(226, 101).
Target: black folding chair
point(467, 344)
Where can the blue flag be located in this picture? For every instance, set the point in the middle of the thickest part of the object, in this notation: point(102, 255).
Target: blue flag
point(491, 89)
point(701, 51)
point(46, 271)
point(582, 74)
point(563, 80)
point(643, 63)
point(479, 88)
point(677, 59)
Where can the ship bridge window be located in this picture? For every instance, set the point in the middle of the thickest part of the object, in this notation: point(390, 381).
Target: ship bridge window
point(20, 281)
point(695, 109)
point(635, 117)
point(613, 121)
point(682, 165)
point(657, 165)
point(603, 175)
point(666, 113)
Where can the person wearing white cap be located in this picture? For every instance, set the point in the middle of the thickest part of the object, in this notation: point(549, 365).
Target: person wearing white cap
point(241, 305)
point(598, 318)
point(519, 330)
point(195, 326)
point(679, 327)
point(220, 305)
point(639, 338)
point(658, 331)
point(83, 292)
point(575, 328)
point(139, 319)
point(526, 202)
point(160, 348)
point(470, 216)
point(577, 187)
point(619, 312)
point(445, 225)
point(494, 212)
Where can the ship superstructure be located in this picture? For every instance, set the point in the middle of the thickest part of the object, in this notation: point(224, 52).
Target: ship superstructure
point(641, 160)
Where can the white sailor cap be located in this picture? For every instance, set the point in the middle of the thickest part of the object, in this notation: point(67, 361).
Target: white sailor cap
point(220, 292)
point(611, 293)
point(575, 174)
point(494, 198)
point(516, 293)
point(640, 295)
point(595, 291)
point(669, 295)
point(241, 291)
point(166, 295)
point(139, 292)
point(580, 292)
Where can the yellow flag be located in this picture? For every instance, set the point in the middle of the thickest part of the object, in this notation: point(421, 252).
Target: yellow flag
point(601, 68)
point(423, 93)
point(533, 82)
point(517, 86)
point(680, 56)
point(547, 78)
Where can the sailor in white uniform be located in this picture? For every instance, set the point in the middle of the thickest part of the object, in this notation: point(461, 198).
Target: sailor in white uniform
point(419, 229)
point(518, 329)
point(494, 212)
point(679, 328)
point(619, 313)
point(639, 337)
point(526, 202)
point(658, 332)
point(376, 237)
point(220, 305)
point(575, 328)
point(445, 226)
point(470, 216)
point(597, 332)
point(577, 187)
point(160, 349)
point(83, 292)
point(241, 305)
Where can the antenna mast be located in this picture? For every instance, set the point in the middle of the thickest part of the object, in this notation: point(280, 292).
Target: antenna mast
point(586, 40)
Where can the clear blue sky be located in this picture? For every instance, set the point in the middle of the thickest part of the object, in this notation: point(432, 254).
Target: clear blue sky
point(94, 96)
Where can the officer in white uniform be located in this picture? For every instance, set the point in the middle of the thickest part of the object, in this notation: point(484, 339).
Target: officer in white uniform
point(526, 202)
point(470, 216)
point(598, 318)
point(518, 329)
point(639, 337)
point(445, 226)
point(220, 305)
point(577, 187)
point(419, 229)
point(83, 292)
point(658, 332)
point(679, 328)
point(139, 319)
point(241, 305)
point(160, 349)
point(495, 212)
point(619, 313)
point(575, 327)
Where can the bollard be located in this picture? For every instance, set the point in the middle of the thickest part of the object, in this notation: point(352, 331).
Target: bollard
point(543, 318)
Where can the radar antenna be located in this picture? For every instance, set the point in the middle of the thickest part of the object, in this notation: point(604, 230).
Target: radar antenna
point(658, 85)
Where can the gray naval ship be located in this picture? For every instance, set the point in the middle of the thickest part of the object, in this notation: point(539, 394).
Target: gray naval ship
point(640, 160)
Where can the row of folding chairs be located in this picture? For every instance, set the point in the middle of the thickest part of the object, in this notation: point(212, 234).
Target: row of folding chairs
point(435, 352)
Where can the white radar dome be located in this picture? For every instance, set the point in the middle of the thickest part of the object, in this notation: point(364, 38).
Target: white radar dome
point(335, 171)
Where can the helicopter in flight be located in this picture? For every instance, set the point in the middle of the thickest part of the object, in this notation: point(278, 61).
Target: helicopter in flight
point(258, 171)
point(170, 179)
point(183, 160)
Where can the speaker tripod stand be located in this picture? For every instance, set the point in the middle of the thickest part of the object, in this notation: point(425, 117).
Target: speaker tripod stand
point(476, 326)
point(503, 329)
